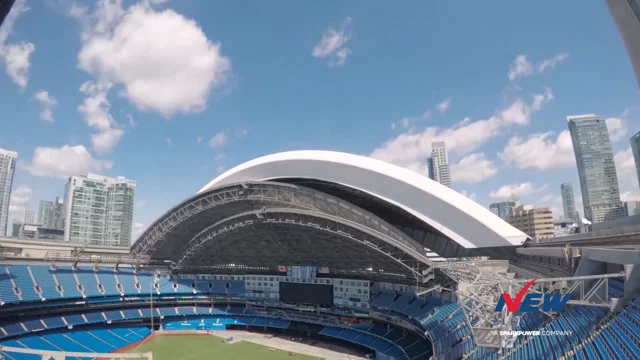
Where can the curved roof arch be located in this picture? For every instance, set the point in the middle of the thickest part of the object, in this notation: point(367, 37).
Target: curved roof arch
point(453, 214)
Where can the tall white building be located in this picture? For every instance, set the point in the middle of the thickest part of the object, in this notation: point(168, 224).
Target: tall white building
point(51, 214)
point(99, 210)
point(29, 216)
point(439, 164)
point(7, 169)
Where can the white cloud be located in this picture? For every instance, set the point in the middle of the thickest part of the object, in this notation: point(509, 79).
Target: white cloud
point(141, 203)
point(163, 61)
point(552, 62)
point(48, 102)
point(332, 45)
point(506, 191)
point(551, 198)
point(136, 231)
point(19, 201)
point(132, 123)
point(104, 141)
point(617, 128)
point(462, 138)
point(218, 140)
point(220, 157)
point(471, 196)
point(444, 105)
point(630, 196)
point(473, 168)
point(626, 168)
point(95, 112)
point(16, 56)
point(522, 67)
point(540, 151)
point(64, 162)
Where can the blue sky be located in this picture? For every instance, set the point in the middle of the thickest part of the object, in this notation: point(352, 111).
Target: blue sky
point(171, 93)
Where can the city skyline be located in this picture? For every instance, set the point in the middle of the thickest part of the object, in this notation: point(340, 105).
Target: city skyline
point(497, 101)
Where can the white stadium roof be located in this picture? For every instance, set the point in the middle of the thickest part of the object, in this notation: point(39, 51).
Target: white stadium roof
point(453, 214)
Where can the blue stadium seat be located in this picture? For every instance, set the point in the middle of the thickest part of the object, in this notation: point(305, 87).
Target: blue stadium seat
point(45, 281)
point(22, 279)
point(6, 287)
point(108, 280)
point(127, 281)
point(87, 278)
point(67, 281)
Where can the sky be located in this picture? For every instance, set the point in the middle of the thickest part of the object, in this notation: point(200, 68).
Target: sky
point(173, 93)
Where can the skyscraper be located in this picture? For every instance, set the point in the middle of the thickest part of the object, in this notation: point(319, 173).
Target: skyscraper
point(98, 210)
point(596, 168)
point(29, 216)
point(569, 202)
point(503, 209)
point(635, 148)
point(439, 164)
point(50, 214)
point(626, 14)
point(7, 169)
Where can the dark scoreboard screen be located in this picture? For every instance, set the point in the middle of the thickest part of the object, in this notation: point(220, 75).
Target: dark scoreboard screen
point(306, 293)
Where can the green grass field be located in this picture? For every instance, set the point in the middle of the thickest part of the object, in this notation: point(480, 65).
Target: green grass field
point(211, 347)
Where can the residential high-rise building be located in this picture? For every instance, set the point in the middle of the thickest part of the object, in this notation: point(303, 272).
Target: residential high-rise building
point(51, 214)
point(7, 169)
point(438, 164)
point(98, 210)
point(503, 209)
point(569, 202)
point(535, 222)
point(635, 149)
point(626, 14)
point(596, 168)
point(631, 208)
point(29, 217)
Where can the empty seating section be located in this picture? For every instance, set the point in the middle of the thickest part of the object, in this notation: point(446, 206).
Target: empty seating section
point(33, 325)
point(127, 281)
point(74, 319)
point(146, 279)
point(45, 281)
point(218, 287)
point(108, 281)
point(67, 281)
point(616, 287)
point(406, 304)
point(185, 286)
point(107, 277)
point(89, 340)
point(236, 287)
point(87, 278)
point(22, 279)
point(6, 287)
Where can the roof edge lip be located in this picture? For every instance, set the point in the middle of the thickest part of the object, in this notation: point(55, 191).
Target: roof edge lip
point(467, 206)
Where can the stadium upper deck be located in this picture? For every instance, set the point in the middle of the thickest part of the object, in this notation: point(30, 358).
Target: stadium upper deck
point(324, 208)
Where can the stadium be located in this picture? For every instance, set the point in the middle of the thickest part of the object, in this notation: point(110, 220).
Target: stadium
point(324, 255)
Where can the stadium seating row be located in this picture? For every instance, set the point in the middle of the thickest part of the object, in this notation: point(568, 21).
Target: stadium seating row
point(20, 283)
point(94, 340)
